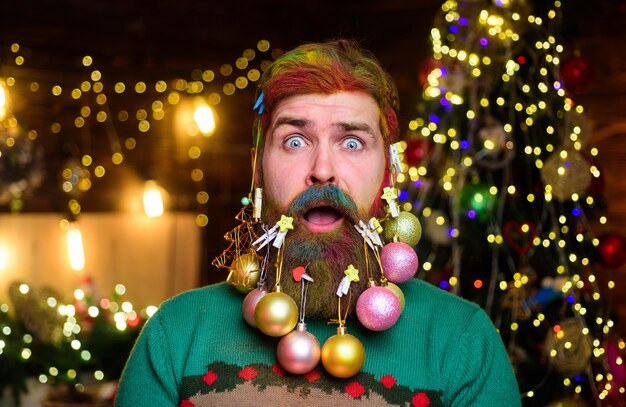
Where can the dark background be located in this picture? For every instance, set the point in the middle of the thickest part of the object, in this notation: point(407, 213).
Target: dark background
point(166, 39)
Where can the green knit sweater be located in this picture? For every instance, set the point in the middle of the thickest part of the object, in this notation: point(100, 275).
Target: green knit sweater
point(197, 350)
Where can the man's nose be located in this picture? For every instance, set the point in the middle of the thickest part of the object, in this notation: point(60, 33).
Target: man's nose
point(322, 171)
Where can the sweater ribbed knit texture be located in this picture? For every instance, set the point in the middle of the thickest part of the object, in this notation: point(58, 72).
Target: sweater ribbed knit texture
point(197, 350)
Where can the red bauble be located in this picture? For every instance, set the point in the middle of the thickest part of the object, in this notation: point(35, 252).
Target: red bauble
point(429, 65)
point(577, 73)
point(611, 250)
point(416, 150)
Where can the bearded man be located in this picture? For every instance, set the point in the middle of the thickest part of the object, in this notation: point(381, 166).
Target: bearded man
point(329, 115)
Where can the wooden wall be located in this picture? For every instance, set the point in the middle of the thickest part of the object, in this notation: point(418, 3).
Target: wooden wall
point(600, 37)
point(153, 258)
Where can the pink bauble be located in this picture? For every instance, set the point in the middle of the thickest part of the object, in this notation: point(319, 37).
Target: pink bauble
point(298, 352)
point(378, 308)
point(249, 305)
point(399, 262)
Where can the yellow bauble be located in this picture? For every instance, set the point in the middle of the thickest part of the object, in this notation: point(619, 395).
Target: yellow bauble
point(245, 272)
point(276, 314)
point(405, 228)
point(343, 355)
point(398, 292)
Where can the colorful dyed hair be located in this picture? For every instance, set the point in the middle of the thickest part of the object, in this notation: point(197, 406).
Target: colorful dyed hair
point(326, 68)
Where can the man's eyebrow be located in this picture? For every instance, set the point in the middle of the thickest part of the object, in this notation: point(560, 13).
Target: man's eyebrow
point(292, 121)
point(345, 126)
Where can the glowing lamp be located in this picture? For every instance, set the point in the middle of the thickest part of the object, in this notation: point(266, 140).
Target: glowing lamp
point(152, 199)
point(75, 247)
point(204, 117)
point(4, 100)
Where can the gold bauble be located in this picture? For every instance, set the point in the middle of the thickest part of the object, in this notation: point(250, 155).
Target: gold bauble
point(245, 272)
point(343, 355)
point(276, 314)
point(405, 228)
point(567, 172)
point(398, 292)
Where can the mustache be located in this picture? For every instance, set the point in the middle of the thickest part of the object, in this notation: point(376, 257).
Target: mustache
point(324, 195)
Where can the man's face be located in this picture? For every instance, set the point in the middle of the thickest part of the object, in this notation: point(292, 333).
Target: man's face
point(317, 140)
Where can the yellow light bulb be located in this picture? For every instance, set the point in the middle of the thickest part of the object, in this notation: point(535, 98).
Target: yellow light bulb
point(75, 247)
point(4, 101)
point(152, 199)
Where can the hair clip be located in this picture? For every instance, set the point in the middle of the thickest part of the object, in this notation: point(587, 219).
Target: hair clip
point(259, 103)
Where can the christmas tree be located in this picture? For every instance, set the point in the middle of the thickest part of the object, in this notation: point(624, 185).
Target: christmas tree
point(504, 180)
point(77, 348)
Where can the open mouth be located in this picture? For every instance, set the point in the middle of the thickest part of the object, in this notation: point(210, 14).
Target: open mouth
point(322, 219)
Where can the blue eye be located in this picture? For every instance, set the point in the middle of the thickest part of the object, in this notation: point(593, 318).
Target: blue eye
point(352, 143)
point(295, 142)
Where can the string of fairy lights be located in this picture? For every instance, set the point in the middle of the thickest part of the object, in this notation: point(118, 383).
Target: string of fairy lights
point(556, 153)
point(49, 320)
point(470, 43)
point(163, 96)
point(71, 321)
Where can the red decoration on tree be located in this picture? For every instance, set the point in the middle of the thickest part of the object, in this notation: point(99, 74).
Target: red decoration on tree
point(520, 239)
point(133, 322)
point(611, 250)
point(577, 74)
point(355, 389)
point(416, 150)
point(427, 67)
